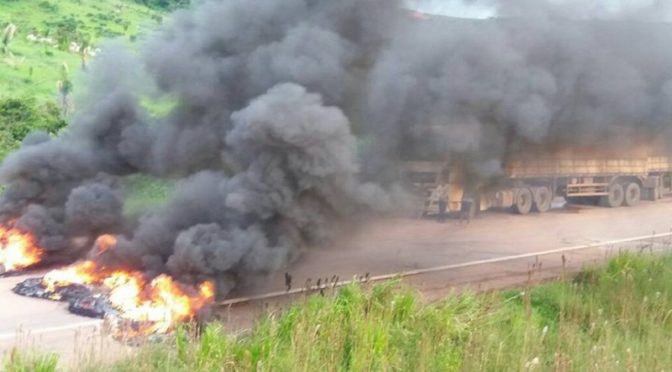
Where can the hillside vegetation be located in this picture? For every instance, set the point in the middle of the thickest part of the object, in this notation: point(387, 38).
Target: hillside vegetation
point(45, 44)
point(612, 319)
point(50, 34)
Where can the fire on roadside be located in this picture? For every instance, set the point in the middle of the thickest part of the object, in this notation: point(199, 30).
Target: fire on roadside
point(161, 303)
point(18, 250)
point(158, 304)
point(153, 306)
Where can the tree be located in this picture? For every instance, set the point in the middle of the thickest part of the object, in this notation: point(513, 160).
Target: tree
point(65, 87)
point(21, 116)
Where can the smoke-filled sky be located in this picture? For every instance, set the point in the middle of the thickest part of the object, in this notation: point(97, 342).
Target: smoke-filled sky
point(452, 8)
point(654, 10)
point(290, 117)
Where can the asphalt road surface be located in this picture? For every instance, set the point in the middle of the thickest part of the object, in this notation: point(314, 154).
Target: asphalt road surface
point(379, 247)
point(46, 326)
point(401, 245)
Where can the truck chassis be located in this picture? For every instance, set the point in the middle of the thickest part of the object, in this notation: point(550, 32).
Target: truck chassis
point(530, 185)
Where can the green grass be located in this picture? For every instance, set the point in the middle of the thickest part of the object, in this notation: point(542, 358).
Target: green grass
point(143, 193)
point(30, 362)
point(616, 318)
point(33, 70)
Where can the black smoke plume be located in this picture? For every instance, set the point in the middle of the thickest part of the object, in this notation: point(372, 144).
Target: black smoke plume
point(541, 74)
point(283, 107)
point(258, 139)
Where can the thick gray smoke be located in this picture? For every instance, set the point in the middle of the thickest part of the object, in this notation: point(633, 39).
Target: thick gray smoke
point(63, 188)
point(640, 10)
point(269, 95)
point(258, 137)
point(483, 89)
point(295, 175)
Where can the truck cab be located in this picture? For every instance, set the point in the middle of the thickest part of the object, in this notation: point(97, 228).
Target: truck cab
point(435, 180)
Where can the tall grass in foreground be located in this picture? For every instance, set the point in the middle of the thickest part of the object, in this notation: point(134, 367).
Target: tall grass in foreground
point(28, 362)
point(617, 318)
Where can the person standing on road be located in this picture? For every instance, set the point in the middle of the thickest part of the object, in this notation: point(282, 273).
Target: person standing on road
point(288, 282)
point(467, 211)
point(443, 205)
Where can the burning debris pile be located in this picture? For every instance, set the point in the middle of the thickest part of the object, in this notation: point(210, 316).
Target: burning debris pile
point(125, 299)
point(121, 296)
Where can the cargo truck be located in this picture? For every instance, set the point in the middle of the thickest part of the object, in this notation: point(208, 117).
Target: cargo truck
point(530, 182)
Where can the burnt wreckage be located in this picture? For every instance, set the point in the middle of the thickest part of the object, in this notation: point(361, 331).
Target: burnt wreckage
point(83, 300)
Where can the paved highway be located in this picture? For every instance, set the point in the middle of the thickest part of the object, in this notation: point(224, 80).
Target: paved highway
point(401, 245)
point(380, 247)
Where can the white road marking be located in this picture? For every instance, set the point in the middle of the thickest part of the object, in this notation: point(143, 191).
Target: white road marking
point(32, 332)
point(404, 274)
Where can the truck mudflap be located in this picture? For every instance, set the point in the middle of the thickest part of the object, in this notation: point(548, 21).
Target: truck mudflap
point(652, 188)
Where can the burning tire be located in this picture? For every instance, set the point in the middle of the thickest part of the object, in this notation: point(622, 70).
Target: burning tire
point(524, 201)
point(32, 287)
point(90, 306)
point(633, 194)
point(615, 197)
point(543, 198)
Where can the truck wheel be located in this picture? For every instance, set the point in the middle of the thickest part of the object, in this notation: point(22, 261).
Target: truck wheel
point(524, 201)
point(543, 197)
point(633, 194)
point(615, 197)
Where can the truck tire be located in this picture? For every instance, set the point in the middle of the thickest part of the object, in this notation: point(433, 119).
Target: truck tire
point(524, 201)
point(543, 198)
point(633, 194)
point(615, 197)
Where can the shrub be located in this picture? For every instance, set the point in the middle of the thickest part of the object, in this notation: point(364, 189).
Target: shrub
point(20, 116)
point(164, 4)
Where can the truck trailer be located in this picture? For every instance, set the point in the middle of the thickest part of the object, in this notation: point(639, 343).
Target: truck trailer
point(530, 182)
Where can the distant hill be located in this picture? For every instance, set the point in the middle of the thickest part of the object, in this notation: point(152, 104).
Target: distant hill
point(52, 33)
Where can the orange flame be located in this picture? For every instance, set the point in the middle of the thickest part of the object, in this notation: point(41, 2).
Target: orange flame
point(161, 303)
point(83, 272)
point(18, 249)
point(104, 243)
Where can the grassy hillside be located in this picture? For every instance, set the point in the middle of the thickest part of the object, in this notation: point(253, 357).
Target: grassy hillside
point(51, 41)
point(34, 68)
point(612, 319)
